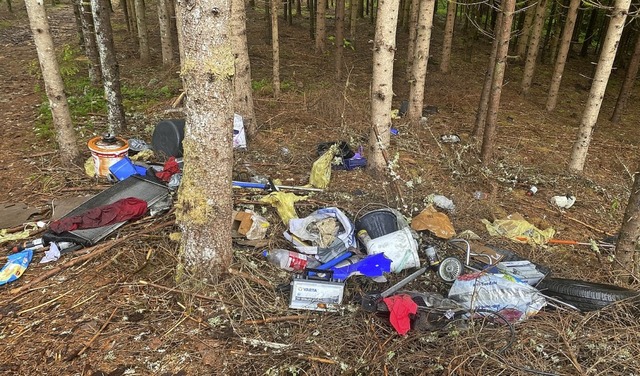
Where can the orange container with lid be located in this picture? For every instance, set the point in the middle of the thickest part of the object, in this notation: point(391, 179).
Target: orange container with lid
point(107, 150)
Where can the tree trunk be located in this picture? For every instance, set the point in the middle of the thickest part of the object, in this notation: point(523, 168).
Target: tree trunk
point(275, 49)
point(90, 47)
point(125, 10)
point(445, 63)
point(353, 21)
point(420, 60)
point(242, 79)
point(481, 115)
point(171, 13)
point(557, 30)
point(109, 65)
point(551, 22)
point(384, 47)
point(54, 87)
point(132, 16)
point(627, 85)
point(165, 32)
point(411, 46)
point(179, 35)
point(523, 40)
point(534, 43)
point(77, 16)
point(599, 85)
point(141, 22)
point(563, 53)
point(588, 36)
point(627, 252)
point(9, 6)
point(406, 13)
point(205, 199)
point(321, 25)
point(488, 139)
point(339, 37)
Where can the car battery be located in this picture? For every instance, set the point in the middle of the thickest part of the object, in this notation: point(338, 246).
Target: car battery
point(316, 290)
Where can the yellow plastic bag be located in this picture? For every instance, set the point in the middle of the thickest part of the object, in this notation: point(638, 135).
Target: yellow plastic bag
point(284, 204)
point(516, 228)
point(321, 169)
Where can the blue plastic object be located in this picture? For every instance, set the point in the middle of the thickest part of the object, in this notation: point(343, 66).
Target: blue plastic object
point(123, 169)
point(370, 266)
point(16, 264)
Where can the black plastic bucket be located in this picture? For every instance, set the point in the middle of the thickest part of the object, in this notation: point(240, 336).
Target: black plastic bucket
point(378, 223)
point(167, 138)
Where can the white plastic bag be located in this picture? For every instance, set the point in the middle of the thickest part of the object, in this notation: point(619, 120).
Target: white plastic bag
point(399, 246)
point(500, 293)
point(308, 242)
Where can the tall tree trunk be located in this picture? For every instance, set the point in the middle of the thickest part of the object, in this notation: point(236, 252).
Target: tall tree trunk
point(557, 30)
point(627, 85)
point(77, 16)
point(53, 84)
point(523, 39)
point(563, 53)
point(488, 139)
point(179, 35)
point(141, 22)
point(243, 93)
point(171, 13)
point(132, 16)
point(445, 62)
point(125, 10)
point(384, 47)
point(406, 13)
point(552, 20)
point(321, 26)
point(165, 32)
point(353, 21)
point(312, 19)
point(90, 47)
point(411, 46)
point(109, 65)
point(627, 252)
point(339, 37)
point(420, 60)
point(588, 36)
point(205, 199)
point(483, 105)
point(534, 43)
point(599, 85)
point(275, 48)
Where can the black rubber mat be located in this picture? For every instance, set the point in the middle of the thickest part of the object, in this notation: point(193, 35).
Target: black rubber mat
point(135, 186)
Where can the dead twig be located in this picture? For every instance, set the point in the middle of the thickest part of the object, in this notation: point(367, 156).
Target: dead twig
point(250, 277)
point(276, 319)
point(179, 291)
point(88, 344)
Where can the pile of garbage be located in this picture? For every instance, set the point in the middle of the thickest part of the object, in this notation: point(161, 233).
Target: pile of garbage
point(328, 246)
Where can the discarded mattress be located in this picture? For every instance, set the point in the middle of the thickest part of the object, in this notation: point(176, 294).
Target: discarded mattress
point(140, 187)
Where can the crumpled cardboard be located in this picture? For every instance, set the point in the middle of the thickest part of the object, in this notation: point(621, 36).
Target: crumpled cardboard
point(434, 221)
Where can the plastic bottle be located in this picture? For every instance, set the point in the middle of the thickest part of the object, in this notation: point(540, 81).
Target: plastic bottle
point(432, 256)
point(288, 260)
point(364, 238)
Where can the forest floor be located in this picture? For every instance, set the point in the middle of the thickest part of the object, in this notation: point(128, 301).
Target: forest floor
point(122, 313)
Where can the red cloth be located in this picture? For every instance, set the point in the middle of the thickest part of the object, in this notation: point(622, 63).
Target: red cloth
point(120, 211)
point(401, 307)
point(170, 168)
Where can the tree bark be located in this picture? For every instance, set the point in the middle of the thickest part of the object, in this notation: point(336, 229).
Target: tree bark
point(627, 85)
point(599, 85)
point(90, 47)
point(321, 25)
point(165, 32)
point(420, 60)
point(481, 114)
point(627, 252)
point(339, 37)
point(125, 10)
point(275, 49)
point(77, 16)
point(141, 23)
point(109, 65)
point(242, 79)
point(588, 36)
point(534, 44)
point(132, 16)
point(488, 138)
point(445, 62)
point(563, 53)
point(353, 21)
point(54, 87)
point(384, 47)
point(411, 46)
point(523, 39)
point(205, 198)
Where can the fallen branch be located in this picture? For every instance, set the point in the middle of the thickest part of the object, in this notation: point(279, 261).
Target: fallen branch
point(250, 277)
point(173, 289)
point(94, 251)
point(275, 319)
point(86, 346)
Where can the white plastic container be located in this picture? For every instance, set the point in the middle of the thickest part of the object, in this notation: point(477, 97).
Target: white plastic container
point(399, 246)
